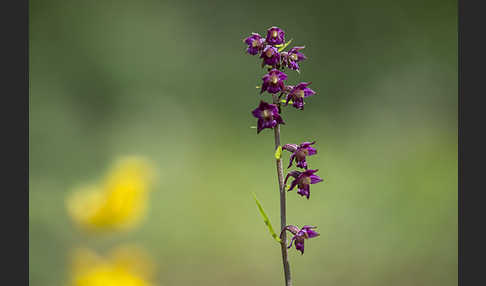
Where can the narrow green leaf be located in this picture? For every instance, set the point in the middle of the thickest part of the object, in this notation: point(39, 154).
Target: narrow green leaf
point(266, 220)
point(280, 49)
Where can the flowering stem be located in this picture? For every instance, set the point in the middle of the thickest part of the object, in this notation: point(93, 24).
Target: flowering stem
point(283, 212)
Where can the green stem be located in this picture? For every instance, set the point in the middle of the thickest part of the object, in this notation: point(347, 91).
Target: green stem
point(283, 212)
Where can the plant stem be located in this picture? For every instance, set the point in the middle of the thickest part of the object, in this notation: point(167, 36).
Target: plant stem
point(283, 212)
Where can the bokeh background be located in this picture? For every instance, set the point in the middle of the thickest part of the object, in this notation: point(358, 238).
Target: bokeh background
point(170, 81)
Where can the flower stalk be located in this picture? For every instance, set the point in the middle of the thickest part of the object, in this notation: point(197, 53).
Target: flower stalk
point(271, 51)
point(283, 207)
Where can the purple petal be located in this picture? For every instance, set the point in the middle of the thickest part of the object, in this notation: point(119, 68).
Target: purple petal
point(312, 151)
point(299, 245)
point(294, 174)
point(306, 144)
point(310, 172)
point(312, 233)
point(292, 186)
point(293, 65)
point(308, 92)
point(257, 113)
point(302, 164)
point(264, 86)
point(305, 192)
point(298, 103)
point(315, 179)
point(274, 89)
point(301, 57)
point(292, 228)
point(296, 49)
point(260, 125)
point(301, 85)
point(273, 108)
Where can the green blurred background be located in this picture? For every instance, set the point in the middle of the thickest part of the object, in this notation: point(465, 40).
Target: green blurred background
point(169, 80)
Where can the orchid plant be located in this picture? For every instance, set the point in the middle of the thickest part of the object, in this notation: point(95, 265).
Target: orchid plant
point(275, 59)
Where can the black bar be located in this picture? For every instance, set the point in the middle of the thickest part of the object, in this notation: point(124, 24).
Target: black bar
point(14, 117)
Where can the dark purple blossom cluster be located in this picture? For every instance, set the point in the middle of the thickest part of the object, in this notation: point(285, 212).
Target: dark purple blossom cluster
point(271, 50)
point(268, 48)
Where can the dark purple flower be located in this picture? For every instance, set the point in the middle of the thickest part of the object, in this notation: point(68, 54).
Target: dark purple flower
point(273, 81)
point(299, 153)
point(298, 93)
point(268, 116)
point(292, 58)
point(255, 43)
point(303, 180)
point(275, 36)
point(270, 56)
point(300, 235)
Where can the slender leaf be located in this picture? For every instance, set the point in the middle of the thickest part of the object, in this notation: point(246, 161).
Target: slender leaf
point(266, 220)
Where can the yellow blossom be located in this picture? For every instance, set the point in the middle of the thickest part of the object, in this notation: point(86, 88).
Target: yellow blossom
point(118, 202)
point(125, 266)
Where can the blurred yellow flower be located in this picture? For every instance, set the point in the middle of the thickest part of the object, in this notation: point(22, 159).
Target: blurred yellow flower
point(125, 266)
point(118, 202)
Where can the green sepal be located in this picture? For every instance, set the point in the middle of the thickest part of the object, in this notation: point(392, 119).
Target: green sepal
point(266, 220)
